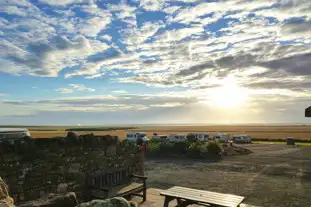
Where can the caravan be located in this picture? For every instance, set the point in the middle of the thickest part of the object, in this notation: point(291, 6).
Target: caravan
point(156, 136)
point(201, 137)
point(241, 138)
point(133, 136)
point(222, 137)
point(11, 134)
point(177, 137)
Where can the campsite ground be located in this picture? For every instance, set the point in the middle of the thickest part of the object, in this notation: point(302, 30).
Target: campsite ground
point(256, 131)
point(274, 175)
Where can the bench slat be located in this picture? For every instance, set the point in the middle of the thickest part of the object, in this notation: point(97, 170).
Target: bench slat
point(226, 200)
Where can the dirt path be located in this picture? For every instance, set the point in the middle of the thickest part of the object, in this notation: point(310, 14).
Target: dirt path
point(274, 175)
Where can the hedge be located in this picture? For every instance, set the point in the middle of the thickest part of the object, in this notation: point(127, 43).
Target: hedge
point(208, 150)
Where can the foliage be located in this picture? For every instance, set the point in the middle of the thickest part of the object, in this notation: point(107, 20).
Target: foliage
point(191, 138)
point(129, 145)
point(183, 149)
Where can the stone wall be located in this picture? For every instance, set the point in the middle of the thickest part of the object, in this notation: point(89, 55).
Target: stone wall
point(35, 167)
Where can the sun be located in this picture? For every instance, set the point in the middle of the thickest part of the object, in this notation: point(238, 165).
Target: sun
point(229, 95)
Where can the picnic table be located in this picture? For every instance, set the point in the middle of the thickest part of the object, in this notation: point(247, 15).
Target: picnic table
point(189, 196)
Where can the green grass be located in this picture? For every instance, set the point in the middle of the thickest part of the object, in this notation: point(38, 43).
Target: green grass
point(278, 142)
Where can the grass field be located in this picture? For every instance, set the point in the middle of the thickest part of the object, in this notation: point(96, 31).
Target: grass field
point(302, 132)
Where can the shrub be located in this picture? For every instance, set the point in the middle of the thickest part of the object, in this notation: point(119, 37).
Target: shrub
point(191, 138)
point(180, 147)
point(213, 149)
point(129, 145)
point(153, 148)
point(197, 150)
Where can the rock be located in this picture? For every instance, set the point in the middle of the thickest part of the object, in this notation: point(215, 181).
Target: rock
point(116, 201)
point(62, 188)
point(5, 199)
point(54, 200)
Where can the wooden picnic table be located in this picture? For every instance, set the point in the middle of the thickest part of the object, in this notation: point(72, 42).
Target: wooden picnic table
point(189, 196)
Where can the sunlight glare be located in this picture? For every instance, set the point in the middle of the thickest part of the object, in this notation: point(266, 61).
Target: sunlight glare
point(229, 95)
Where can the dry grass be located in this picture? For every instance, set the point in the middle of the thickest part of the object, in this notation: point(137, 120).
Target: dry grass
point(260, 131)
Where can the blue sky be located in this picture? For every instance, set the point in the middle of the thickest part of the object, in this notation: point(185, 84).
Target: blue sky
point(154, 61)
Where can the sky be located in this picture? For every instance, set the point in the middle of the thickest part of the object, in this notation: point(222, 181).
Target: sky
point(108, 62)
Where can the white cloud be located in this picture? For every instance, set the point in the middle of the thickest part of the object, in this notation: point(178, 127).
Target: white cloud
point(61, 2)
point(152, 5)
point(105, 37)
point(75, 87)
point(13, 10)
point(92, 26)
point(81, 87)
point(64, 90)
point(119, 91)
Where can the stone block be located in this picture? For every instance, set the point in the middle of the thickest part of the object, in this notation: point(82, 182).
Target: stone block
point(74, 168)
point(111, 151)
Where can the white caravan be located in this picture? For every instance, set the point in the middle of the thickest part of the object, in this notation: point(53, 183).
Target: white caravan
point(241, 138)
point(12, 134)
point(133, 136)
point(201, 137)
point(177, 137)
point(156, 136)
point(222, 137)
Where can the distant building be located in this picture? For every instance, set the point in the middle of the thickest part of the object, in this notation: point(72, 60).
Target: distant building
point(308, 112)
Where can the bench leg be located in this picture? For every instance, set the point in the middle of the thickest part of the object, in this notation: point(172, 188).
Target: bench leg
point(167, 200)
point(144, 195)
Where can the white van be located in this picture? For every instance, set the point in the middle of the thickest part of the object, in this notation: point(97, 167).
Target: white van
point(133, 136)
point(201, 137)
point(156, 136)
point(224, 137)
point(241, 138)
point(177, 137)
point(12, 134)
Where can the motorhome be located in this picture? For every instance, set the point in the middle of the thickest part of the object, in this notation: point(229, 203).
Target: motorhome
point(156, 136)
point(201, 137)
point(241, 138)
point(224, 137)
point(177, 137)
point(11, 134)
point(133, 136)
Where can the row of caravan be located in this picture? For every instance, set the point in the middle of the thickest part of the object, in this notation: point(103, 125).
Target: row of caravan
point(203, 137)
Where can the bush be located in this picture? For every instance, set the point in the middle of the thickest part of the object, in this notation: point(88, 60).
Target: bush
point(153, 148)
point(191, 138)
point(196, 150)
point(213, 149)
point(182, 149)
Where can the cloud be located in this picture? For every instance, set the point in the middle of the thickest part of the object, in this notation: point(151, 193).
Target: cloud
point(62, 2)
point(119, 91)
point(64, 90)
point(81, 87)
point(108, 103)
point(152, 5)
point(75, 87)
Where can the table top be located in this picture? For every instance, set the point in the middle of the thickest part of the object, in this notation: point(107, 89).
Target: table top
point(202, 196)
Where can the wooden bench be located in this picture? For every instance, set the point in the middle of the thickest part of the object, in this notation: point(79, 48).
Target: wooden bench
point(189, 196)
point(115, 183)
